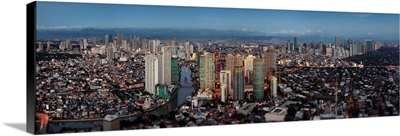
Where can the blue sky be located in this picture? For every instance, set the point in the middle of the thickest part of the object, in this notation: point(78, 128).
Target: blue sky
point(270, 22)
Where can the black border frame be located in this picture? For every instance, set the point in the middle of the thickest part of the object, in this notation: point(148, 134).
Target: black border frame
point(30, 66)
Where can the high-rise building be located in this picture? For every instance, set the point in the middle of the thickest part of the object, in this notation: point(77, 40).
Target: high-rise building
point(40, 48)
point(85, 44)
point(151, 72)
point(230, 62)
point(288, 44)
point(259, 76)
point(81, 44)
point(187, 49)
point(270, 62)
point(225, 76)
point(217, 64)
point(106, 39)
point(273, 86)
point(329, 51)
point(295, 42)
point(337, 41)
point(199, 47)
point(175, 71)
point(238, 79)
point(166, 60)
point(248, 64)
point(68, 43)
point(370, 46)
point(153, 45)
point(62, 46)
point(206, 70)
point(48, 46)
point(110, 52)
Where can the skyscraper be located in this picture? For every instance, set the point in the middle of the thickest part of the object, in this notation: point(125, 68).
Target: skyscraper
point(259, 76)
point(273, 86)
point(40, 48)
point(110, 52)
point(187, 49)
point(217, 64)
point(48, 46)
point(270, 62)
point(225, 81)
point(206, 69)
point(68, 43)
point(337, 41)
point(230, 62)
point(175, 70)
point(151, 72)
point(295, 42)
point(106, 39)
point(248, 64)
point(238, 79)
point(166, 60)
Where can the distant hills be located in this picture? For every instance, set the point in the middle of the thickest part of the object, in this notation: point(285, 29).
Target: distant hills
point(183, 34)
point(385, 56)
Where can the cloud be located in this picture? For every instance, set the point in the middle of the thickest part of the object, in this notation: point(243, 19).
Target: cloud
point(362, 15)
point(370, 33)
point(293, 32)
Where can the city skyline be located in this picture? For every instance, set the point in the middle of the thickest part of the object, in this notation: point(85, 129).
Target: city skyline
point(260, 22)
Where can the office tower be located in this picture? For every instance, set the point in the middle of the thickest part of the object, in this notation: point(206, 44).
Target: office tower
point(377, 46)
point(238, 78)
point(199, 47)
point(68, 43)
point(329, 51)
point(187, 49)
point(217, 64)
point(62, 46)
point(175, 70)
point(259, 76)
point(288, 45)
point(151, 72)
point(270, 62)
point(166, 67)
point(40, 48)
point(125, 46)
point(295, 42)
point(106, 40)
point(159, 57)
point(248, 64)
point(110, 52)
point(337, 41)
point(80, 43)
point(118, 39)
point(144, 46)
point(94, 40)
point(225, 76)
point(85, 44)
point(111, 122)
point(153, 45)
point(230, 62)
point(206, 69)
point(48, 46)
point(370, 46)
point(273, 86)
point(353, 49)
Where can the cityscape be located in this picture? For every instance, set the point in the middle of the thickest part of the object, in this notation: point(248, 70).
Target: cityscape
point(105, 77)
